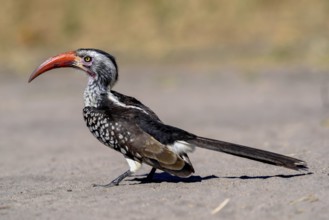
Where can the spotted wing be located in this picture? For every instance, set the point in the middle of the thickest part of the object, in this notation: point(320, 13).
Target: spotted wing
point(123, 134)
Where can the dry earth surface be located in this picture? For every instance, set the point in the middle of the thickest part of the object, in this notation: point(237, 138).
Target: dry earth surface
point(49, 160)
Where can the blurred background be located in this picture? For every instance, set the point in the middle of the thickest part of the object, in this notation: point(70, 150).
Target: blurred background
point(236, 33)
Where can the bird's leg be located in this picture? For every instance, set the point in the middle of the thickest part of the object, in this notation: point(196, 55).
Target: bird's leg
point(133, 167)
point(150, 175)
point(116, 181)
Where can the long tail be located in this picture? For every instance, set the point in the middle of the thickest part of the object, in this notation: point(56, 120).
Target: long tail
point(250, 153)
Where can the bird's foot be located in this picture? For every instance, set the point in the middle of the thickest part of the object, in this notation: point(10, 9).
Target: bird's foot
point(111, 184)
point(116, 181)
point(148, 178)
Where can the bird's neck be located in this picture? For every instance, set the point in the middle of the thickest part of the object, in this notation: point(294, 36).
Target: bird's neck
point(95, 94)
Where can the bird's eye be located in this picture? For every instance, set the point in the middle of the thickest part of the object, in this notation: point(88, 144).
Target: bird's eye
point(87, 59)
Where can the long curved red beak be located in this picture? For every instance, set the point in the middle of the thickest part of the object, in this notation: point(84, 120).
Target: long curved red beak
point(68, 59)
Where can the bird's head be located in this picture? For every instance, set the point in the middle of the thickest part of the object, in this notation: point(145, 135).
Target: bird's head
point(99, 65)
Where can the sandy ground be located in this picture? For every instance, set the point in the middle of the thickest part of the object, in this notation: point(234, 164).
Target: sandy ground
point(49, 160)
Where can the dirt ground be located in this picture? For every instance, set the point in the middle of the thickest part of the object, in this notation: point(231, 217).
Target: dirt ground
point(49, 160)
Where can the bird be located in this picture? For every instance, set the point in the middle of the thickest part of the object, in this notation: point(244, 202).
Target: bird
point(126, 125)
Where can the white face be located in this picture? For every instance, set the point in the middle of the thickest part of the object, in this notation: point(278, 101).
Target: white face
point(99, 66)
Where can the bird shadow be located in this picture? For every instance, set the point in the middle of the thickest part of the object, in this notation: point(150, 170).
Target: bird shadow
point(244, 177)
point(165, 177)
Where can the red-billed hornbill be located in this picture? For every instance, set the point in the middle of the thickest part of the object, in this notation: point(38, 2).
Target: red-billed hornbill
point(123, 123)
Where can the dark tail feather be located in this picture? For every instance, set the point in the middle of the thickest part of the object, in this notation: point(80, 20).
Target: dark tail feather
point(250, 153)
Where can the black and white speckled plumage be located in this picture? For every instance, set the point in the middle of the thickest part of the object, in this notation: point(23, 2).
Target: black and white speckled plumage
point(124, 128)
